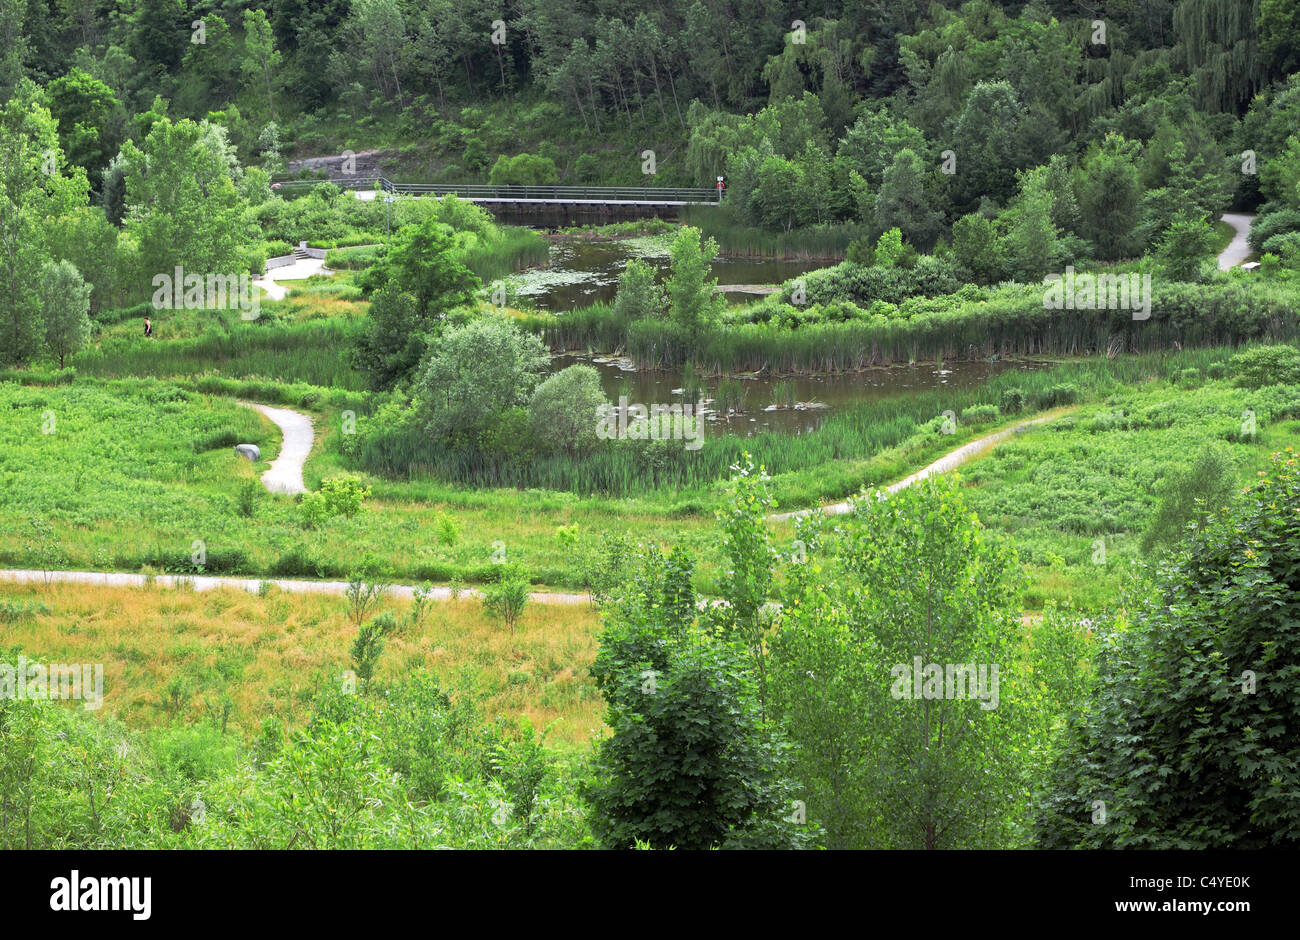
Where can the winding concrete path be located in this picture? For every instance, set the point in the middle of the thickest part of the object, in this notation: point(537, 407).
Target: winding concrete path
point(949, 461)
point(298, 428)
point(1238, 249)
point(285, 475)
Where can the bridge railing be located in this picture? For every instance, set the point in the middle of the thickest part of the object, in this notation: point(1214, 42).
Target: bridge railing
point(649, 194)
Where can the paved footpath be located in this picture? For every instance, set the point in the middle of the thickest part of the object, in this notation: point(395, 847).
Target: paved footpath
point(302, 448)
point(285, 475)
point(1238, 249)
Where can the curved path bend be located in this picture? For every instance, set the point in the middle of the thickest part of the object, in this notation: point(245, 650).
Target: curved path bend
point(1238, 249)
point(298, 428)
point(285, 475)
point(949, 461)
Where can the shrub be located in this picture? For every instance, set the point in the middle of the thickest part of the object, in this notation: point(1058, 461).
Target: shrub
point(1274, 223)
point(1206, 756)
point(563, 410)
point(1266, 365)
point(638, 293)
point(507, 598)
point(1058, 395)
point(249, 491)
point(1012, 401)
point(448, 529)
point(526, 169)
point(369, 644)
point(214, 441)
point(978, 414)
point(1190, 495)
point(13, 610)
point(313, 509)
point(690, 763)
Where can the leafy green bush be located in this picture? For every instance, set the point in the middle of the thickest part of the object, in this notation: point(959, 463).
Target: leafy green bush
point(1057, 396)
point(980, 414)
point(1012, 401)
point(525, 169)
point(506, 598)
point(369, 644)
point(1266, 365)
point(1190, 495)
point(1267, 226)
point(1206, 756)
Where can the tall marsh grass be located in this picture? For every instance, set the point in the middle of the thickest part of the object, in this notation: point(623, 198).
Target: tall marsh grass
point(736, 239)
point(1007, 322)
point(317, 352)
point(857, 432)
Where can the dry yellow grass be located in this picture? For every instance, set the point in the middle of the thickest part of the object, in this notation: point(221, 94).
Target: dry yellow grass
point(266, 655)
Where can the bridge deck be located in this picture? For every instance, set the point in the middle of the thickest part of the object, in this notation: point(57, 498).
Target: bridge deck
point(370, 187)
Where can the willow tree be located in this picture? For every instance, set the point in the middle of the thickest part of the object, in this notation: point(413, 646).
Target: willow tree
point(1218, 41)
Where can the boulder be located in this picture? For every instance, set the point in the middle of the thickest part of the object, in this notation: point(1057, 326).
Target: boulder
point(251, 451)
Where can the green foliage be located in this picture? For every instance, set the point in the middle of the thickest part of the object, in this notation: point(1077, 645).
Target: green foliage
point(1189, 496)
point(1203, 757)
point(981, 414)
point(638, 294)
point(906, 200)
point(692, 303)
point(1266, 365)
point(976, 247)
point(476, 371)
point(394, 340)
point(249, 493)
point(369, 644)
point(362, 595)
point(1184, 249)
point(422, 262)
point(65, 301)
point(341, 495)
point(507, 596)
point(563, 410)
point(1268, 225)
point(448, 530)
point(183, 204)
point(1109, 196)
point(746, 581)
point(688, 764)
point(526, 169)
point(912, 578)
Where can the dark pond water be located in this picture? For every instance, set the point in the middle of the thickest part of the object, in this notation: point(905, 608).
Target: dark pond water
point(579, 274)
point(832, 391)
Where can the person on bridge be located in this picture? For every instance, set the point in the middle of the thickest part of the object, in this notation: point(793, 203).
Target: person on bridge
point(722, 185)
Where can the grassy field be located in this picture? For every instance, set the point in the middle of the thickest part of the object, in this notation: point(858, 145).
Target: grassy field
point(1077, 495)
point(135, 471)
point(235, 658)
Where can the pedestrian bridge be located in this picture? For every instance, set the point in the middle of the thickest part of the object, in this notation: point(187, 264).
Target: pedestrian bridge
point(647, 196)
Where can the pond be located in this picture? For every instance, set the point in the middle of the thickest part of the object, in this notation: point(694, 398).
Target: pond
point(578, 274)
point(829, 391)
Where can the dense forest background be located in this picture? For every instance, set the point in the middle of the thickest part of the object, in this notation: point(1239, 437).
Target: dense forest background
point(835, 88)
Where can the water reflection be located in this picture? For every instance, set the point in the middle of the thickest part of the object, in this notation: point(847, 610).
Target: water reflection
point(833, 391)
